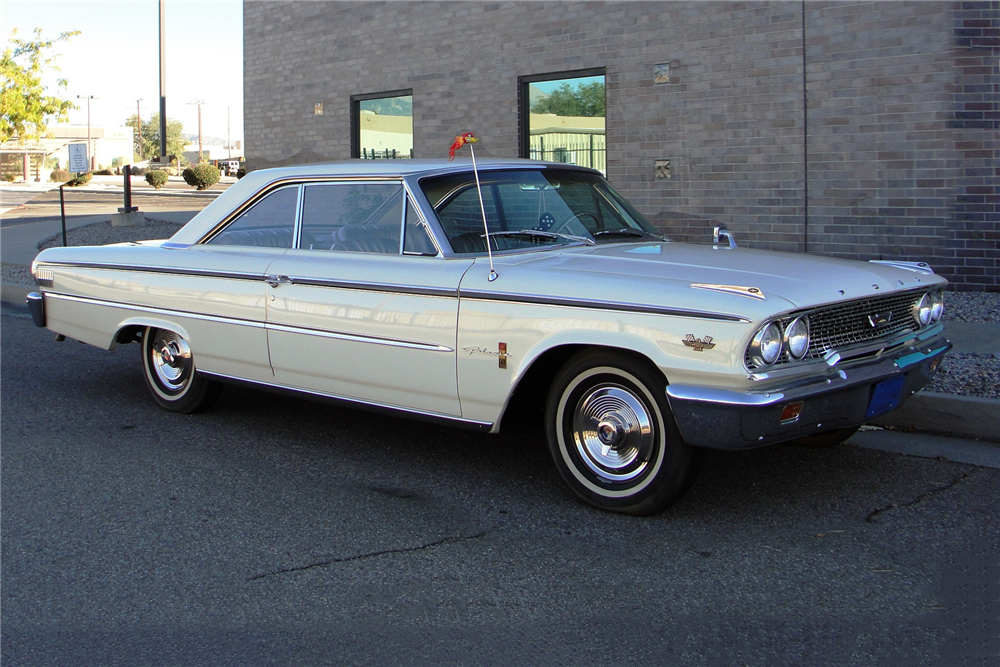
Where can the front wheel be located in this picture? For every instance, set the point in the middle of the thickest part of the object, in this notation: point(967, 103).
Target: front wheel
point(169, 371)
point(613, 437)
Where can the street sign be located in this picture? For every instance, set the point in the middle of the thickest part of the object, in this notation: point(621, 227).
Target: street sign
point(78, 157)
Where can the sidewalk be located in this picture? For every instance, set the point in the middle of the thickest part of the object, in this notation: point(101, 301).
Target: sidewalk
point(926, 412)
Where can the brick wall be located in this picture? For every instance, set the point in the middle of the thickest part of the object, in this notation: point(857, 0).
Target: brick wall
point(852, 129)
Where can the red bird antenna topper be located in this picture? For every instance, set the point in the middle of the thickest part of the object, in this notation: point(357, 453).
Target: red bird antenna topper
point(461, 140)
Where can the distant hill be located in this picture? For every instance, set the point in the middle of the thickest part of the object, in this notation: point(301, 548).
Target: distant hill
point(390, 106)
point(205, 140)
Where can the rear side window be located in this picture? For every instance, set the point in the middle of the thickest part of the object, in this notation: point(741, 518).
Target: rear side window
point(269, 223)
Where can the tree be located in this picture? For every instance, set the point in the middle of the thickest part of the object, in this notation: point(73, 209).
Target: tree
point(25, 108)
point(585, 100)
point(150, 131)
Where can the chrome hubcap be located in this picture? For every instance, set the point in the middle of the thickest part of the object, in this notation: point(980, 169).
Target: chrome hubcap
point(171, 360)
point(613, 433)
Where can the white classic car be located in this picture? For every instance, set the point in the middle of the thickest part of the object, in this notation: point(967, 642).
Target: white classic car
point(520, 291)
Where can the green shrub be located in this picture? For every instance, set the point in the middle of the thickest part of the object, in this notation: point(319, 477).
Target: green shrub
point(157, 178)
point(201, 175)
point(104, 172)
point(10, 177)
point(241, 172)
point(138, 171)
point(81, 179)
point(59, 176)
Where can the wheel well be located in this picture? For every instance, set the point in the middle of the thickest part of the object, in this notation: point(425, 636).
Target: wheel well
point(526, 407)
point(129, 334)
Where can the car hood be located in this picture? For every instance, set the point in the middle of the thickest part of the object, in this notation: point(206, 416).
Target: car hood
point(799, 279)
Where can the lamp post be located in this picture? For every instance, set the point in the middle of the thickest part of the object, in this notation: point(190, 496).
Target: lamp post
point(90, 148)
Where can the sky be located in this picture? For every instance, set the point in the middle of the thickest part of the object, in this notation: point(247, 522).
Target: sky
point(116, 58)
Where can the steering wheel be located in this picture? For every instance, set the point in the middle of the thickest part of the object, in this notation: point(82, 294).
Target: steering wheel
point(579, 218)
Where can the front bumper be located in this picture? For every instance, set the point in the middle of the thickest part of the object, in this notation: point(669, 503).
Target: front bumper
point(843, 397)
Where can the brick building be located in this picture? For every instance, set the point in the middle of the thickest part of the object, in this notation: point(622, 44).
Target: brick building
point(856, 129)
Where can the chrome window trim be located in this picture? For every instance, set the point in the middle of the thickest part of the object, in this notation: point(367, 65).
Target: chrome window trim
point(297, 227)
point(601, 305)
point(299, 181)
point(247, 205)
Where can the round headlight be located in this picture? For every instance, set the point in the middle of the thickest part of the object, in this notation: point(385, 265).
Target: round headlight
point(767, 344)
point(937, 306)
point(923, 310)
point(797, 337)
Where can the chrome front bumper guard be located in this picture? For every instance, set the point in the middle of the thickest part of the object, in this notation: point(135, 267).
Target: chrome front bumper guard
point(730, 419)
point(36, 304)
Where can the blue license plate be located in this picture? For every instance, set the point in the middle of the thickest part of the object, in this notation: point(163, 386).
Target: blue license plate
point(886, 396)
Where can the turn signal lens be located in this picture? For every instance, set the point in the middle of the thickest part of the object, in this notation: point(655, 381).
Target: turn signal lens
point(797, 337)
point(791, 412)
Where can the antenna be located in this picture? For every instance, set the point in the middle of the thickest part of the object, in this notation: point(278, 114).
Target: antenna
point(461, 140)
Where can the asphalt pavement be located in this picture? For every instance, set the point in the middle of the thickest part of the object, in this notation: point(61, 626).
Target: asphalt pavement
point(275, 531)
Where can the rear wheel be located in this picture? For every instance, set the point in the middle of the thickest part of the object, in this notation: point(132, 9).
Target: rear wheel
point(613, 437)
point(169, 370)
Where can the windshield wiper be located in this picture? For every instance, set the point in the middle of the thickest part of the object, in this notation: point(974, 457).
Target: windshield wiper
point(537, 233)
point(624, 231)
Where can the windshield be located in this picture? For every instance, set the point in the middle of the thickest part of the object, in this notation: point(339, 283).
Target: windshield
point(526, 208)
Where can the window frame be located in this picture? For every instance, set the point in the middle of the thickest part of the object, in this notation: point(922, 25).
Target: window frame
point(524, 101)
point(356, 101)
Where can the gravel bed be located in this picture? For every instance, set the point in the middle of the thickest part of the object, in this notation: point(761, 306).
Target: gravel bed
point(964, 374)
point(972, 307)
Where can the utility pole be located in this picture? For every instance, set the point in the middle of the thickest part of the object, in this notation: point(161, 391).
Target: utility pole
point(198, 103)
point(164, 158)
point(229, 139)
point(138, 129)
point(90, 147)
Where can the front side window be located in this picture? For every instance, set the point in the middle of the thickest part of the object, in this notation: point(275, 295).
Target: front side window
point(526, 208)
point(353, 217)
point(269, 223)
point(383, 125)
point(563, 119)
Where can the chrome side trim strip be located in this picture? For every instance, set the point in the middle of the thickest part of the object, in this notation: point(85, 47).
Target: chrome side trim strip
point(375, 340)
point(357, 402)
point(231, 275)
point(166, 270)
point(601, 305)
point(157, 311)
point(375, 287)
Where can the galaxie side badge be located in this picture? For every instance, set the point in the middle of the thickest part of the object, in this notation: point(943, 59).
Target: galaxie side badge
point(699, 344)
point(500, 354)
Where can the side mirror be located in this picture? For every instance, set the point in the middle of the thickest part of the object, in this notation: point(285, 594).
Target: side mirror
point(720, 233)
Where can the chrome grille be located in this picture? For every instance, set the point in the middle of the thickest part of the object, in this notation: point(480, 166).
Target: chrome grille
point(845, 324)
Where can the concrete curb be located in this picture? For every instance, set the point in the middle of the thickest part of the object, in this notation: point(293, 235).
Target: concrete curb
point(14, 294)
point(947, 414)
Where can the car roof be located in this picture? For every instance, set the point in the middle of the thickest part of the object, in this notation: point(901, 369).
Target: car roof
point(258, 180)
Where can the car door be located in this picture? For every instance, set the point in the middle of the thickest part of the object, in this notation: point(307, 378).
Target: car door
point(365, 308)
point(220, 284)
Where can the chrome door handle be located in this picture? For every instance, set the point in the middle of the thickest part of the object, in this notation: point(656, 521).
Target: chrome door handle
point(275, 280)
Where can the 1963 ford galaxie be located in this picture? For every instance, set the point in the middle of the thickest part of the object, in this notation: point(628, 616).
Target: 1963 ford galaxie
point(378, 284)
